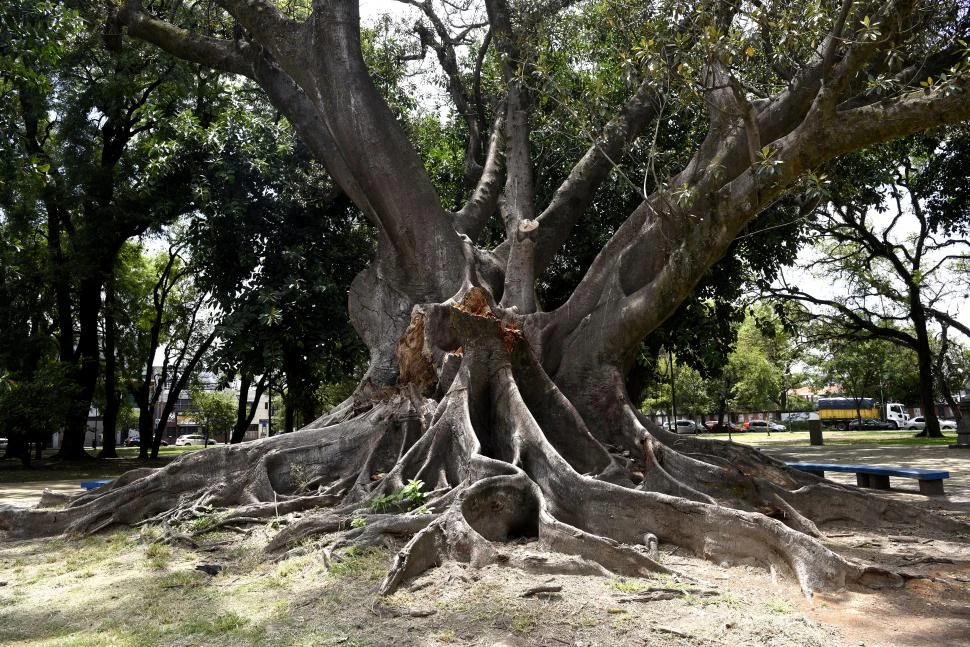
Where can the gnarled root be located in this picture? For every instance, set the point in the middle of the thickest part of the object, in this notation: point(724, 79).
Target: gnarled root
point(506, 463)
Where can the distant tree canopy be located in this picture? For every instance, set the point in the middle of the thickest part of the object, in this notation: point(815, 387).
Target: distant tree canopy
point(892, 239)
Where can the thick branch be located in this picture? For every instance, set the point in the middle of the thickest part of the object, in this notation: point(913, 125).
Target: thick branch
point(473, 217)
point(577, 191)
point(213, 52)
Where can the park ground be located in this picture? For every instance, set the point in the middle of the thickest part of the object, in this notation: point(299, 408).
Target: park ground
point(123, 588)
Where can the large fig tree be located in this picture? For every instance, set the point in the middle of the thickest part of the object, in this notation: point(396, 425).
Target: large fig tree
point(515, 419)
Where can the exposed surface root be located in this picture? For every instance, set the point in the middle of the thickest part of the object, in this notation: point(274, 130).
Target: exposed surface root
point(500, 457)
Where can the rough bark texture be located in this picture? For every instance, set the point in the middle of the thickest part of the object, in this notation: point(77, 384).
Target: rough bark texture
point(512, 422)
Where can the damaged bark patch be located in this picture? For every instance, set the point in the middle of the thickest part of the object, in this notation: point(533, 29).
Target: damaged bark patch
point(414, 357)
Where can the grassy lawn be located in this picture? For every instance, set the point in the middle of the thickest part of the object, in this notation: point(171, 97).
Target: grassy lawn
point(800, 438)
point(47, 469)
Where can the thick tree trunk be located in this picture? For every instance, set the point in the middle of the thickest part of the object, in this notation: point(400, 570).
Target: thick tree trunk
point(924, 360)
point(246, 411)
point(112, 395)
point(86, 370)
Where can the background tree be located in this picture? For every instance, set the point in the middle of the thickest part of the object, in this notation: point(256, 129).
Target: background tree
point(278, 246)
point(952, 370)
point(687, 386)
point(215, 411)
point(507, 408)
point(895, 257)
point(860, 366)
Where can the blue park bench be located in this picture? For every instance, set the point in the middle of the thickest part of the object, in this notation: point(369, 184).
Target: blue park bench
point(871, 476)
point(94, 485)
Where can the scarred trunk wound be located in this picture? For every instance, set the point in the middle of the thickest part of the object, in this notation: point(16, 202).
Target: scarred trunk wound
point(501, 455)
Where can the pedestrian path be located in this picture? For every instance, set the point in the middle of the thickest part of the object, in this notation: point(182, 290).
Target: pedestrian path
point(28, 494)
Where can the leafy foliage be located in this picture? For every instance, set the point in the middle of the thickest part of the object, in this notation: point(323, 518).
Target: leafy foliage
point(278, 246)
point(406, 498)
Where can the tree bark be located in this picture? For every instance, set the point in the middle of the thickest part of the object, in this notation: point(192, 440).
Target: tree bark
point(924, 360)
point(112, 394)
point(244, 412)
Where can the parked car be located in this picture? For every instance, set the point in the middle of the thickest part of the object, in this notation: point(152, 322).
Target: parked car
point(763, 426)
point(919, 422)
point(193, 439)
point(135, 441)
point(870, 424)
point(724, 428)
point(685, 427)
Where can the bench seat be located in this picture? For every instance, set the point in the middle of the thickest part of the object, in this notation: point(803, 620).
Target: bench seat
point(874, 476)
point(94, 485)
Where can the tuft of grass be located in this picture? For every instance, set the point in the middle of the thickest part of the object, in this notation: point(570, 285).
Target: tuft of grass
point(622, 621)
point(159, 556)
point(229, 622)
point(368, 564)
point(731, 601)
point(294, 565)
point(222, 623)
point(523, 623)
point(779, 606)
point(629, 586)
point(182, 580)
point(300, 476)
point(281, 611)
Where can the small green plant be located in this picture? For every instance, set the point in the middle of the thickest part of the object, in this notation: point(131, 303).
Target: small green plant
point(358, 522)
point(407, 497)
point(768, 165)
point(202, 523)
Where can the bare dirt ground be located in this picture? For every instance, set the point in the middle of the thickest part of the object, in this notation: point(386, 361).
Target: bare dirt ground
point(123, 588)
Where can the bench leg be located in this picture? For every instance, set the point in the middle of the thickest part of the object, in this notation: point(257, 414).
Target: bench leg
point(931, 487)
point(879, 481)
point(862, 480)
